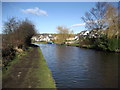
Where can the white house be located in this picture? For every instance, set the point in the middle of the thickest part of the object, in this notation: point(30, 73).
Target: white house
point(76, 37)
point(70, 39)
point(34, 38)
point(43, 37)
point(84, 33)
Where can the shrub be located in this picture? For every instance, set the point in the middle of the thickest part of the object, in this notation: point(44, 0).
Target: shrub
point(101, 43)
point(113, 44)
point(16, 34)
point(8, 54)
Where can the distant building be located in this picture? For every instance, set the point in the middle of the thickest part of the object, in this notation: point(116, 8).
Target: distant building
point(70, 39)
point(43, 37)
point(95, 33)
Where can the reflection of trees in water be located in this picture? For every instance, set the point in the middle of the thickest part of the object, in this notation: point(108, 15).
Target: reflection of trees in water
point(103, 68)
point(63, 51)
point(109, 69)
point(63, 56)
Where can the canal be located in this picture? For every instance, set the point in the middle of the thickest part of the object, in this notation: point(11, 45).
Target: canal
point(74, 67)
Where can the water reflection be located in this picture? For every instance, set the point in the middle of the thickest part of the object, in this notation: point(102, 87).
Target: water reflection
point(76, 67)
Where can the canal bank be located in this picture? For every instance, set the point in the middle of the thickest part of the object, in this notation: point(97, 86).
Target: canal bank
point(84, 46)
point(29, 71)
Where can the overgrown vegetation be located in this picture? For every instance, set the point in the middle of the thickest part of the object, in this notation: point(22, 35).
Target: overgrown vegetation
point(9, 64)
point(16, 37)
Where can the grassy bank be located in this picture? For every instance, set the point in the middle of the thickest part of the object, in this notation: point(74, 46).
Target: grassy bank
point(111, 49)
point(28, 70)
point(44, 74)
point(73, 44)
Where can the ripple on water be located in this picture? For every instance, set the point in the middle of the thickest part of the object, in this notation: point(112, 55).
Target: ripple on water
point(77, 67)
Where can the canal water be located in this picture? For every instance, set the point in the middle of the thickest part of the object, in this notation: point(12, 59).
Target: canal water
point(74, 67)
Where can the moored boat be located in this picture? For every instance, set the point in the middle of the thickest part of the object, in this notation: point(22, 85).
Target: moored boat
point(50, 42)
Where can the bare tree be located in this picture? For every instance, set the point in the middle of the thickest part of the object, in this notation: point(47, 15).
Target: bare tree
point(111, 17)
point(11, 25)
point(8, 32)
point(95, 17)
point(17, 33)
point(63, 34)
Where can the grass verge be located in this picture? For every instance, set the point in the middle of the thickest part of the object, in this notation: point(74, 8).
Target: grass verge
point(44, 74)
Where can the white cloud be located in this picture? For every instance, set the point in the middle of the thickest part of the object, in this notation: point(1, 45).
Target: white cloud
point(35, 11)
point(77, 25)
point(82, 24)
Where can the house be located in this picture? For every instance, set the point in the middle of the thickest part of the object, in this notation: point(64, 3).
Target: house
point(69, 42)
point(70, 39)
point(43, 37)
point(84, 33)
point(95, 33)
point(34, 38)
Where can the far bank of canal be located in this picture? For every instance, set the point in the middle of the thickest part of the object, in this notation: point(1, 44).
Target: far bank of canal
point(74, 67)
